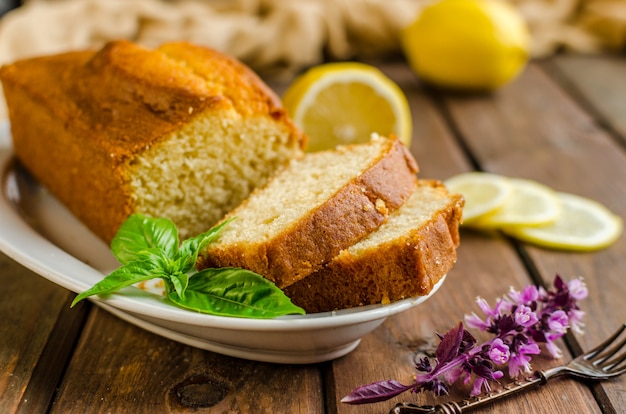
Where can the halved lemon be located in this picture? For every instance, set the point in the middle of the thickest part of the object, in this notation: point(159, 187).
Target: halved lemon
point(582, 225)
point(344, 103)
point(484, 193)
point(530, 204)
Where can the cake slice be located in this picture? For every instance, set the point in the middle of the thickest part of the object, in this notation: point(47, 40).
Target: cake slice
point(314, 208)
point(405, 257)
point(181, 131)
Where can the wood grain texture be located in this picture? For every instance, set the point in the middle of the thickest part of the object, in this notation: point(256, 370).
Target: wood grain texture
point(533, 129)
point(30, 308)
point(123, 369)
point(389, 352)
point(560, 123)
point(487, 266)
point(598, 84)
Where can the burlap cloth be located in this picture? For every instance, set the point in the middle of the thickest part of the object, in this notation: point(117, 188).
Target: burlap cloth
point(283, 36)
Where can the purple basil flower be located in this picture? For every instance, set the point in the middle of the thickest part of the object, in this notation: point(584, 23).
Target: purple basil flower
point(554, 350)
point(499, 352)
point(558, 322)
point(518, 323)
point(423, 364)
point(479, 384)
point(474, 321)
point(482, 384)
point(575, 320)
point(524, 316)
point(527, 295)
point(520, 361)
point(577, 289)
point(438, 387)
point(491, 313)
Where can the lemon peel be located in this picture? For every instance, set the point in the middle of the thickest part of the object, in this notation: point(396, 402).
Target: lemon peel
point(344, 103)
point(534, 213)
point(530, 204)
point(483, 192)
point(583, 225)
point(467, 44)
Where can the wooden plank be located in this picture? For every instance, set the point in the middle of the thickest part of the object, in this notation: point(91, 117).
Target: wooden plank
point(53, 360)
point(118, 367)
point(388, 353)
point(436, 151)
point(31, 308)
point(121, 368)
point(533, 129)
point(599, 83)
point(487, 266)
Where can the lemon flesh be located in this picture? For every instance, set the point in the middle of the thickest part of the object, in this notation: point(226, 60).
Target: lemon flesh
point(344, 103)
point(583, 225)
point(484, 193)
point(530, 204)
point(533, 212)
point(467, 44)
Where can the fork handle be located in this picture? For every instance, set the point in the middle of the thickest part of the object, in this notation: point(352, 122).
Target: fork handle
point(458, 407)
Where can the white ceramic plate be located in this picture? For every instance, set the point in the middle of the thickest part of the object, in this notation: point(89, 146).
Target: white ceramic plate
point(38, 232)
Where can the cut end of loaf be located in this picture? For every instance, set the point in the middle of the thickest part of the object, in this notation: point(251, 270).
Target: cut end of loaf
point(317, 206)
point(207, 168)
point(182, 131)
point(305, 185)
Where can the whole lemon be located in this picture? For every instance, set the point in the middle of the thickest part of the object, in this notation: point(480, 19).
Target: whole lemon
point(467, 44)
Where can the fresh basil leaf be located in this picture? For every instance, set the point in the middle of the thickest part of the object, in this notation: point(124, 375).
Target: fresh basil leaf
point(190, 248)
point(124, 276)
point(148, 248)
point(179, 282)
point(155, 259)
point(235, 292)
point(140, 233)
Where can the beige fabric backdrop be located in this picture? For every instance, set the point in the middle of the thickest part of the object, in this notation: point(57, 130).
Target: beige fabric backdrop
point(282, 36)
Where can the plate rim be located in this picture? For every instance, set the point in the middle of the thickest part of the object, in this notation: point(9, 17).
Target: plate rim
point(152, 306)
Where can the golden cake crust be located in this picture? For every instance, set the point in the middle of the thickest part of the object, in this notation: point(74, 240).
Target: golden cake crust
point(403, 267)
point(80, 119)
point(351, 213)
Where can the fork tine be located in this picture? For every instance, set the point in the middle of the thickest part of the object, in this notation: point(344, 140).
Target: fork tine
point(615, 373)
point(601, 347)
point(600, 359)
point(615, 362)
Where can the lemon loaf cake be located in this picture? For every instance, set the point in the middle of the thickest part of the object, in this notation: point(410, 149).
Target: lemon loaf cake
point(182, 132)
point(404, 258)
point(314, 208)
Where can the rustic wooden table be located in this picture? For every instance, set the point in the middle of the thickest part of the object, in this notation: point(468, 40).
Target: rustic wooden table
point(563, 122)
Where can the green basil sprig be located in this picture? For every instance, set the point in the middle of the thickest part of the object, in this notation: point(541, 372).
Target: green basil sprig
point(149, 248)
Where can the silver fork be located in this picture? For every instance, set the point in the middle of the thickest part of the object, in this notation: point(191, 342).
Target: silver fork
point(604, 361)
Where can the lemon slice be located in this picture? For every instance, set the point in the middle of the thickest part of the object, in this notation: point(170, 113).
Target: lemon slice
point(344, 103)
point(484, 193)
point(530, 204)
point(582, 225)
